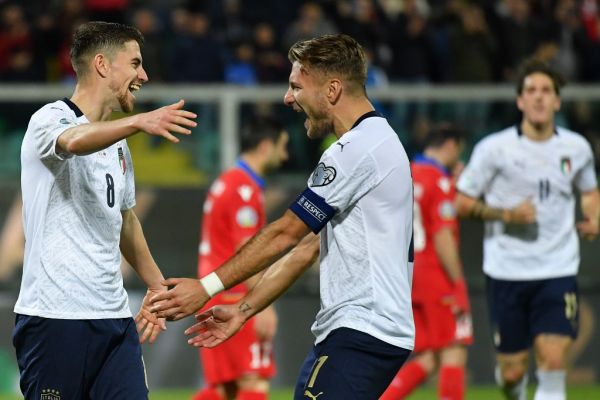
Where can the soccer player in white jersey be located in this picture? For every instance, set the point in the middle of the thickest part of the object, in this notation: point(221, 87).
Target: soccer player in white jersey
point(359, 197)
point(74, 334)
point(521, 182)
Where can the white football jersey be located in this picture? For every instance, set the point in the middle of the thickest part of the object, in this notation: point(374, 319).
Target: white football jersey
point(72, 219)
point(507, 168)
point(362, 190)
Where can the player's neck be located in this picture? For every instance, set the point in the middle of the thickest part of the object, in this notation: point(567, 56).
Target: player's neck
point(86, 98)
point(254, 162)
point(538, 133)
point(348, 113)
point(437, 156)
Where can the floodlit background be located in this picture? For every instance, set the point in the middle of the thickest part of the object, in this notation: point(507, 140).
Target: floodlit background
point(431, 61)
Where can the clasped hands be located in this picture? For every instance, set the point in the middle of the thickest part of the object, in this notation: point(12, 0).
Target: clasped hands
point(179, 298)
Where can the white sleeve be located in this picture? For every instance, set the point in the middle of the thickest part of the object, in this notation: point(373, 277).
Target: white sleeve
point(343, 185)
point(129, 196)
point(333, 188)
point(585, 179)
point(480, 170)
point(47, 125)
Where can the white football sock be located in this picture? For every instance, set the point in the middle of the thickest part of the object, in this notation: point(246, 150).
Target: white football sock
point(551, 385)
point(516, 392)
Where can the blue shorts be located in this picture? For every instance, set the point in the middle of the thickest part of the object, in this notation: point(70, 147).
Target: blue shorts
point(348, 365)
point(521, 310)
point(79, 359)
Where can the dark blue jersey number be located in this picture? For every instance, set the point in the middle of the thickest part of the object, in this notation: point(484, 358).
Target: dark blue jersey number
point(110, 190)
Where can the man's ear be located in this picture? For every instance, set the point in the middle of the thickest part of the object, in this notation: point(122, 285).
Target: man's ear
point(334, 90)
point(101, 65)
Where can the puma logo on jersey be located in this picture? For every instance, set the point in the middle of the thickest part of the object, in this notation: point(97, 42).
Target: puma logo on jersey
point(342, 145)
point(310, 395)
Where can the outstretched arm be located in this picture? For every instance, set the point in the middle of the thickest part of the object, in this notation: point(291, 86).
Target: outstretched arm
point(262, 250)
point(135, 249)
point(89, 138)
point(221, 322)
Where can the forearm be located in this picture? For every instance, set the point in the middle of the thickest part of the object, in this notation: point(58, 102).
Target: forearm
point(89, 138)
point(268, 246)
point(280, 276)
point(590, 205)
point(447, 251)
point(134, 247)
point(468, 207)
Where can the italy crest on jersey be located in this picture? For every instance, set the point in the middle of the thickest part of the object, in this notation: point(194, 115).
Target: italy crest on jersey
point(122, 161)
point(565, 165)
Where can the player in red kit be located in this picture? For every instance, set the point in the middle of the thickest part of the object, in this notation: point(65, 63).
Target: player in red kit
point(233, 212)
point(439, 294)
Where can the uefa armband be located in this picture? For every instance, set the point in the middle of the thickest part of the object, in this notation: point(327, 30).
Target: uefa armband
point(212, 284)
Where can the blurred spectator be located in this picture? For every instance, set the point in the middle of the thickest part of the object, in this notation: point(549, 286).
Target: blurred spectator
point(107, 10)
point(17, 56)
point(362, 20)
point(310, 23)
point(153, 50)
point(271, 64)
point(195, 55)
point(232, 27)
point(240, 70)
point(410, 39)
point(472, 63)
point(519, 33)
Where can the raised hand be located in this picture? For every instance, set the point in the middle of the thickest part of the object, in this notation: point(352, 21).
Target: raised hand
point(588, 228)
point(216, 325)
point(148, 324)
point(167, 120)
point(185, 298)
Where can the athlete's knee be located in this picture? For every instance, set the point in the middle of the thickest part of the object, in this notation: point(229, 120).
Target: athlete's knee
point(253, 383)
point(427, 361)
point(512, 374)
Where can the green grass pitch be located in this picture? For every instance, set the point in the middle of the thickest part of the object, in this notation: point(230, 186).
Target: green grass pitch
point(426, 393)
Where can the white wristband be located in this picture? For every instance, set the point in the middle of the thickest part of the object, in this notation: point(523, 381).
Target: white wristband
point(212, 284)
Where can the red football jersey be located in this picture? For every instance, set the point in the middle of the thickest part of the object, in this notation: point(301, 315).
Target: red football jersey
point(434, 209)
point(233, 212)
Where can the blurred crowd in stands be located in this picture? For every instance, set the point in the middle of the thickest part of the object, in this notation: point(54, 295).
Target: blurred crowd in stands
point(245, 41)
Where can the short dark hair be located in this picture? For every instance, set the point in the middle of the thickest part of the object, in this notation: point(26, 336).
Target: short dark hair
point(333, 54)
point(98, 36)
point(440, 133)
point(259, 129)
point(535, 65)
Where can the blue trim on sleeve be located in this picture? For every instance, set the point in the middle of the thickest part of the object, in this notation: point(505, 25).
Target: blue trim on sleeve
point(313, 210)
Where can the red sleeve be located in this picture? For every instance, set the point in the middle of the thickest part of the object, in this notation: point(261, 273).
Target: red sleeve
point(442, 212)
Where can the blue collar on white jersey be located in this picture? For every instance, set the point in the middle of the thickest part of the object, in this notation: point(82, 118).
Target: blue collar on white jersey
point(255, 177)
point(422, 159)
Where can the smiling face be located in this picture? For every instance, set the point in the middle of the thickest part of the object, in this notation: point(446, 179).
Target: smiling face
point(126, 75)
point(307, 93)
point(538, 100)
